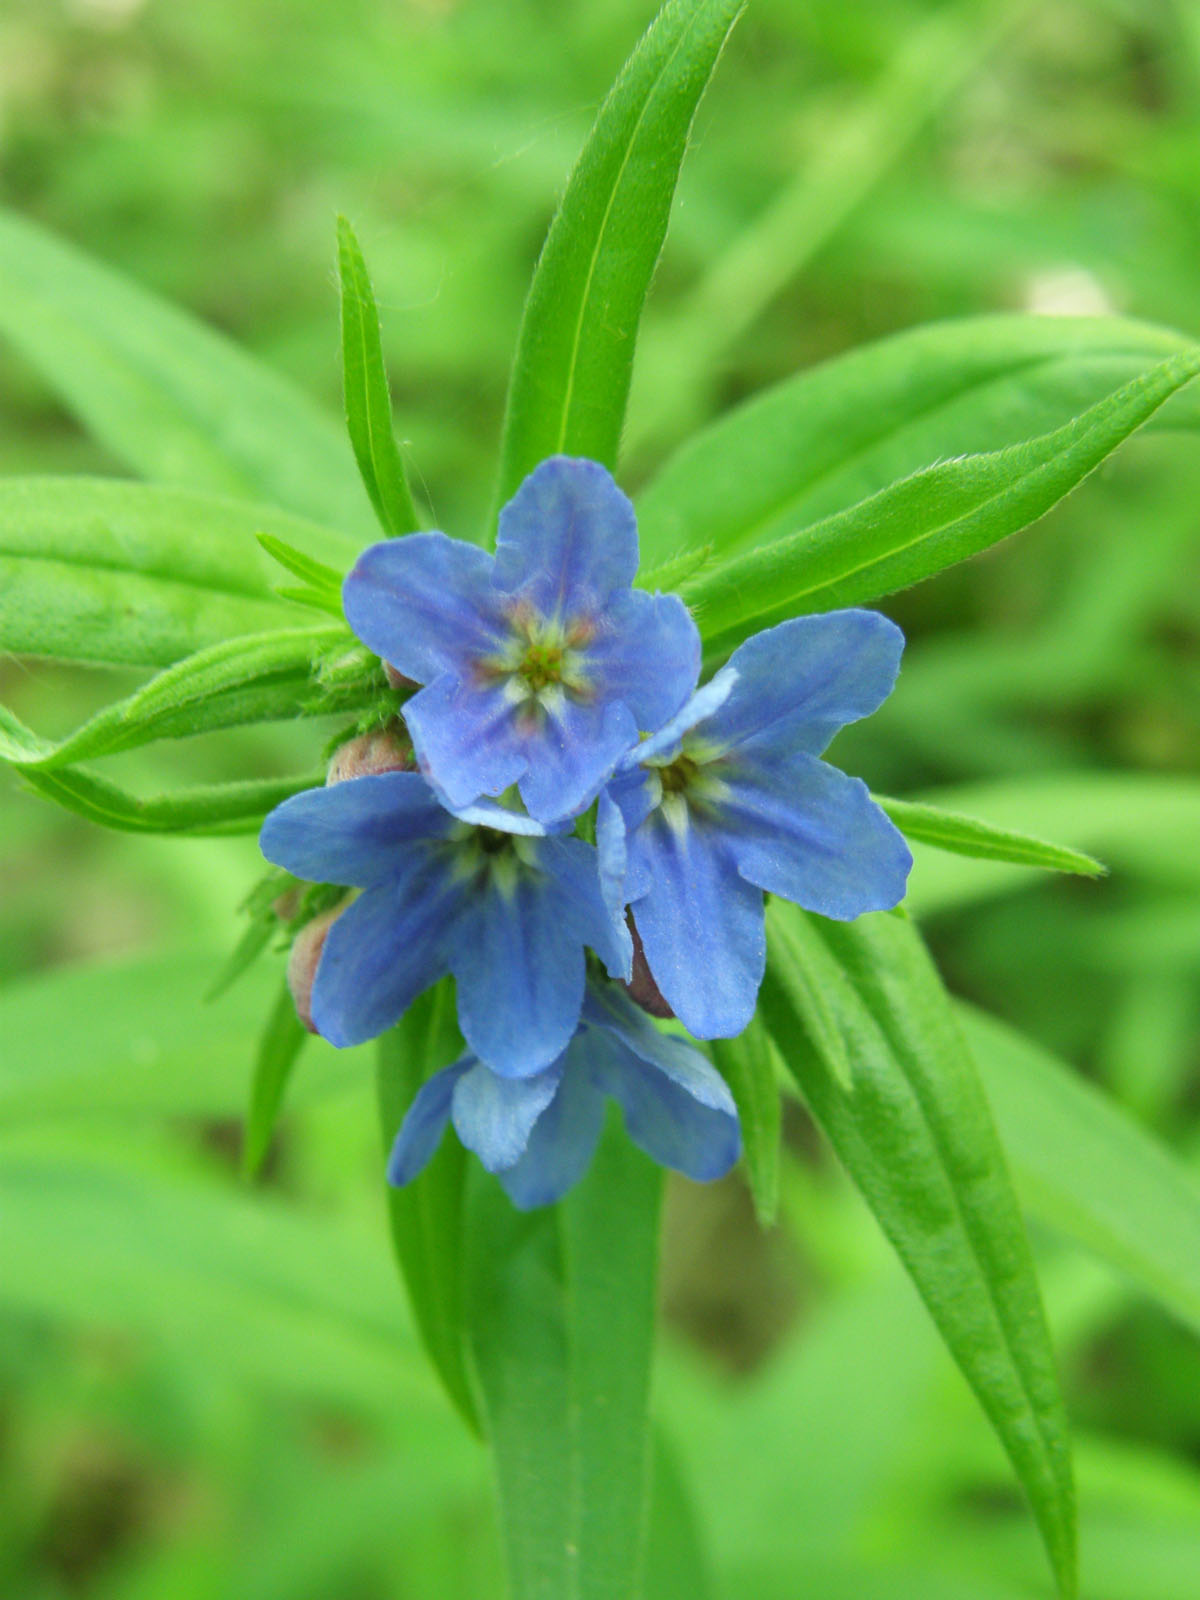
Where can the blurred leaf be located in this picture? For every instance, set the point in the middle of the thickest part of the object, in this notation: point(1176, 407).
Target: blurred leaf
point(426, 1216)
point(99, 570)
point(1085, 1168)
point(279, 1047)
point(922, 524)
point(571, 373)
point(967, 836)
point(914, 1131)
point(171, 398)
point(562, 1322)
point(217, 808)
point(843, 430)
point(676, 1564)
point(747, 1064)
point(368, 399)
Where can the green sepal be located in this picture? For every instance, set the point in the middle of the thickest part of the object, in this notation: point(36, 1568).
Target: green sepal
point(279, 1046)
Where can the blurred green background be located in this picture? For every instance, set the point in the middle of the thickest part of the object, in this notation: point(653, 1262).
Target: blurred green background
point(212, 1391)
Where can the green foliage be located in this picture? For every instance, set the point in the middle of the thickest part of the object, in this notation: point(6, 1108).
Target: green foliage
point(748, 1066)
point(966, 836)
point(279, 1049)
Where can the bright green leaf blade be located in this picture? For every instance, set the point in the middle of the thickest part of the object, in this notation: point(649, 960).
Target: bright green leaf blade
point(747, 1064)
point(171, 398)
point(574, 357)
point(99, 570)
point(914, 1131)
point(313, 573)
point(279, 1047)
point(1085, 1168)
point(924, 523)
point(562, 1318)
point(367, 396)
point(839, 432)
point(426, 1216)
point(211, 809)
point(967, 836)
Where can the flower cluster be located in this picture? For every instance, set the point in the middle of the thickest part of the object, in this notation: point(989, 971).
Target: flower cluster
point(553, 701)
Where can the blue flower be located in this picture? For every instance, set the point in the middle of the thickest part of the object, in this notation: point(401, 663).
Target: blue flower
point(541, 665)
point(491, 899)
point(730, 799)
point(538, 1134)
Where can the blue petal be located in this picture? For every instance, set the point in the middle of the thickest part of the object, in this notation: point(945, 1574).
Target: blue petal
point(701, 925)
point(562, 1143)
point(567, 539)
point(350, 833)
point(422, 1128)
point(800, 682)
point(492, 814)
point(466, 740)
point(665, 744)
point(646, 654)
point(494, 1116)
point(574, 868)
point(385, 949)
point(801, 829)
point(424, 603)
point(520, 982)
point(677, 1109)
point(572, 755)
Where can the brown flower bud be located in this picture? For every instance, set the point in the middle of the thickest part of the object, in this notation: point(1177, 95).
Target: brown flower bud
point(642, 988)
point(396, 680)
point(302, 962)
point(385, 750)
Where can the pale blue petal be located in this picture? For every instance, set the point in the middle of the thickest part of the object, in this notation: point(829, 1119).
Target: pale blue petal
point(701, 926)
point(572, 755)
point(801, 829)
point(425, 604)
point(421, 1131)
point(567, 539)
point(493, 1116)
point(703, 704)
point(386, 948)
point(646, 653)
point(350, 833)
point(491, 814)
point(573, 866)
point(800, 682)
point(561, 1145)
point(465, 738)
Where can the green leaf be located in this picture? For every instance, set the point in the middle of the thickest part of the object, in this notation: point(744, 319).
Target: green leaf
point(314, 573)
point(747, 1064)
point(966, 836)
point(1084, 1167)
point(367, 396)
point(922, 524)
point(171, 398)
point(103, 571)
point(843, 430)
point(574, 357)
point(426, 1216)
point(219, 808)
point(562, 1322)
point(279, 1048)
point(914, 1131)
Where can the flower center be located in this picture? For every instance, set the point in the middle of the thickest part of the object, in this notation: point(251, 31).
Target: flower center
point(678, 776)
point(542, 665)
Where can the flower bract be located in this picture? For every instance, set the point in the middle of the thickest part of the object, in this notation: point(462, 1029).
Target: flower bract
point(540, 664)
point(730, 799)
point(538, 1134)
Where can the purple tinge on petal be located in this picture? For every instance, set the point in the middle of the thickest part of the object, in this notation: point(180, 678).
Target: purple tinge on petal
point(567, 539)
point(801, 681)
point(386, 949)
point(421, 1131)
point(424, 603)
point(350, 833)
point(646, 653)
point(562, 1142)
point(494, 1116)
point(701, 925)
point(466, 739)
point(801, 829)
point(571, 755)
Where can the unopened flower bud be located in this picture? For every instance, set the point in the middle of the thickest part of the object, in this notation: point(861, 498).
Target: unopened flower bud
point(642, 988)
point(385, 750)
point(396, 679)
point(302, 962)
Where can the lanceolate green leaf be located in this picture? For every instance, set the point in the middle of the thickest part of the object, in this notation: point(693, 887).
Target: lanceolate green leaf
point(966, 836)
point(574, 357)
point(219, 808)
point(123, 573)
point(171, 398)
point(922, 524)
point(841, 431)
point(368, 399)
point(279, 1048)
point(1083, 1166)
point(914, 1130)
point(747, 1063)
